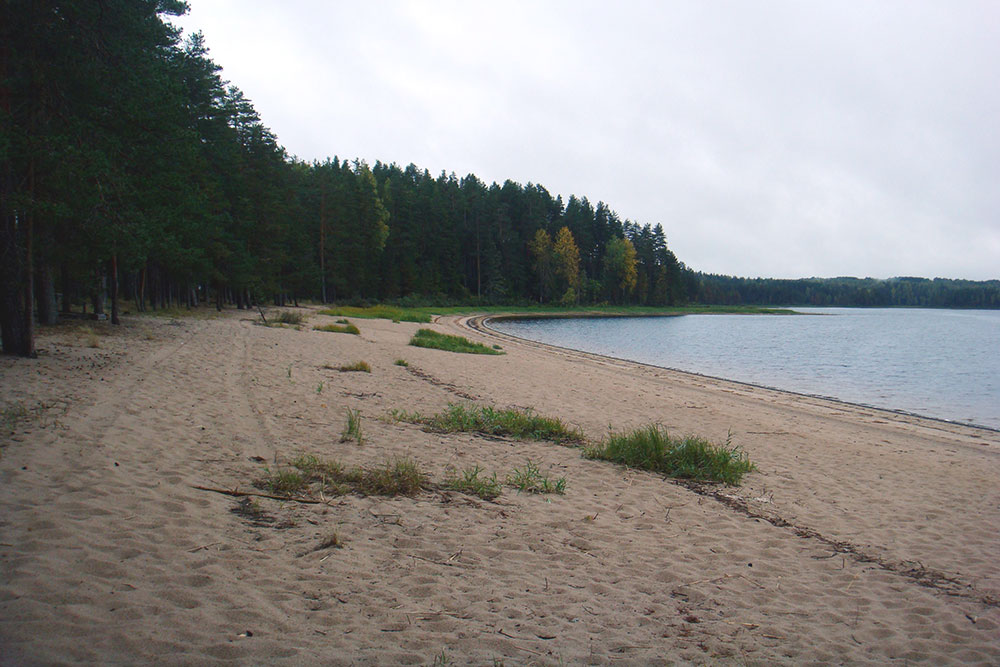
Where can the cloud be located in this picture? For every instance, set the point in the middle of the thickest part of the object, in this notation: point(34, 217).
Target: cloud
point(775, 139)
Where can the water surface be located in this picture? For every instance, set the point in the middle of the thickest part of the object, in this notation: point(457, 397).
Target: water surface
point(939, 363)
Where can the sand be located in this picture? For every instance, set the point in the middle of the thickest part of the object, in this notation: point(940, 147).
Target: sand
point(864, 536)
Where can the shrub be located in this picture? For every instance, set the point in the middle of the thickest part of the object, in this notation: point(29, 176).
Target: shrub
point(651, 448)
point(440, 341)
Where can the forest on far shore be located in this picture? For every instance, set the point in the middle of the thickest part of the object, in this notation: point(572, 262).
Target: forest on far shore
point(129, 169)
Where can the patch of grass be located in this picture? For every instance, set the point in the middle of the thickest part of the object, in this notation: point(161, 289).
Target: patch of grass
point(357, 366)
point(401, 362)
point(398, 477)
point(285, 482)
point(510, 422)
point(352, 428)
point(532, 480)
point(652, 448)
point(440, 341)
point(286, 317)
point(380, 313)
point(471, 483)
point(309, 476)
point(339, 328)
point(319, 388)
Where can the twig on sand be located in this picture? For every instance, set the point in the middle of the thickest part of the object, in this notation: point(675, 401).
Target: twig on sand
point(240, 494)
point(204, 546)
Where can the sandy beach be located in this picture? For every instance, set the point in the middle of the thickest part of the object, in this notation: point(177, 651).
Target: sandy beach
point(863, 537)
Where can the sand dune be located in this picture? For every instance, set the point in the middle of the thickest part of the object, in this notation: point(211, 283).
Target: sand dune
point(864, 537)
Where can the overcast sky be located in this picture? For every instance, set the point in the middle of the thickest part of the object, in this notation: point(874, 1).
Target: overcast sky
point(773, 139)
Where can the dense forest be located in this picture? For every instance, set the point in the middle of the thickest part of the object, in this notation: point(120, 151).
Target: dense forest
point(129, 169)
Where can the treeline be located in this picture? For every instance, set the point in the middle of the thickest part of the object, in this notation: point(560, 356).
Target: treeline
point(871, 292)
point(130, 169)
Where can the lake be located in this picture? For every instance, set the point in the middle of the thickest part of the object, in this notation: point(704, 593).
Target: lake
point(938, 363)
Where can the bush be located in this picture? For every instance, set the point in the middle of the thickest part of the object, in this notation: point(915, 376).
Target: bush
point(651, 448)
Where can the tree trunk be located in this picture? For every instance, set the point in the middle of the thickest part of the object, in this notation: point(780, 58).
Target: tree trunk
point(114, 289)
point(48, 312)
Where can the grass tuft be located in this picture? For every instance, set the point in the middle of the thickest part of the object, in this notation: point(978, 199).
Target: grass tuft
point(352, 428)
point(286, 317)
point(511, 422)
point(401, 362)
point(439, 341)
point(532, 480)
point(284, 482)
point(651, 448)
point(471, 483)
point(339, 328)
point(357, 366)
point(308, 476)
point(398, 477)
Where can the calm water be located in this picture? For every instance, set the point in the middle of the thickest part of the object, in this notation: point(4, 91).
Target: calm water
point(938, 363)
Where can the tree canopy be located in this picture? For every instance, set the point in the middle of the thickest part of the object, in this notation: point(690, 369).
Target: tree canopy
point(130, 168)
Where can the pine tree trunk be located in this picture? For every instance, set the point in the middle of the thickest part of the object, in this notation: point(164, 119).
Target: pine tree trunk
point(114, 290)
point(48, 311)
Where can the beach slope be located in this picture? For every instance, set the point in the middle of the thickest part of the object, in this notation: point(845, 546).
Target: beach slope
point(863, 537)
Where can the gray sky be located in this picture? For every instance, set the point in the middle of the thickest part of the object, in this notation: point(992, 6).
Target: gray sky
point(773, 139)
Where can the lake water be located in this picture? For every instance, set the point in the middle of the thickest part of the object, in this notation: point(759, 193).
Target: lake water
point(937, 363)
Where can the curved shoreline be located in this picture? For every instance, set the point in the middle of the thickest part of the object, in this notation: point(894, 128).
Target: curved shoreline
point(480, 323)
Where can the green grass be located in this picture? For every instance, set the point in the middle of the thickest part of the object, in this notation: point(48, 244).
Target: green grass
point(285, 482)
point(398, 477)
point(471, 483)
point(286, 317)
point(511, 422)
point(652, 448)
point(401, 362)
point(440, 341)
point(532, 480)
point(309, 477)
point(380, 313)
point(352, 428)
point(356, 367)
point(338, 328)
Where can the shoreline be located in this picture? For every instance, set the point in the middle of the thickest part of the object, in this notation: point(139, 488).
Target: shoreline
point(481, 323)
point(864, 537)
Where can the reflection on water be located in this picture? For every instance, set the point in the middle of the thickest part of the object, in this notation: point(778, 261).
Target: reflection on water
point(939, 363)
